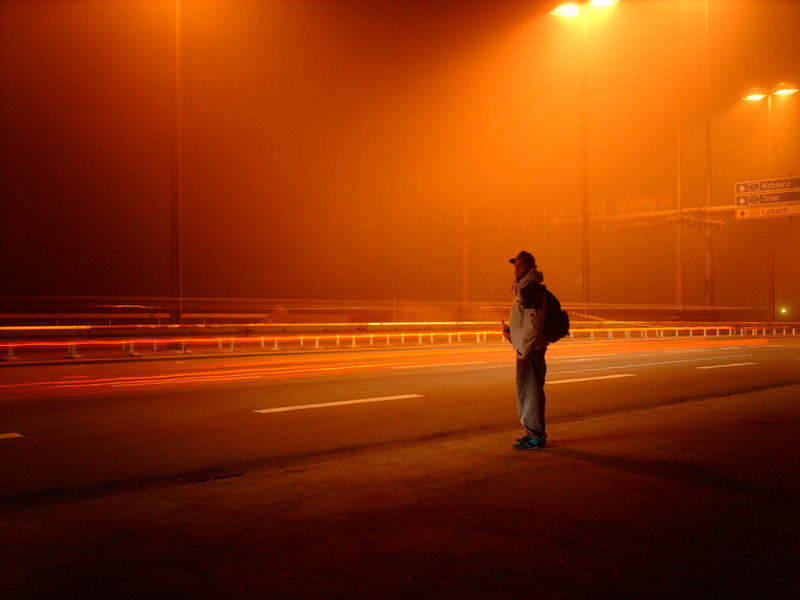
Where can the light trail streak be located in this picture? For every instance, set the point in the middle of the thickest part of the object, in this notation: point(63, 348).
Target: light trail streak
point(255, 369)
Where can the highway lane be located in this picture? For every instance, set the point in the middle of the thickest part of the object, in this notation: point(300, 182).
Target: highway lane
point(93, 428)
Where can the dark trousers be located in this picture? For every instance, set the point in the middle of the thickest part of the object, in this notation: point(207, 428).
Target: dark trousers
point(530, 393)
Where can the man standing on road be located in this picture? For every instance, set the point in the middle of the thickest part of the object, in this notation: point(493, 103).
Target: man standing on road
point(524, 332)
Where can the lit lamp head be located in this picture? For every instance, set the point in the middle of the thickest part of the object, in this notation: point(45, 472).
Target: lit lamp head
point(570, 9)
point(784, 88)
point(755, 94)
point(573, 9)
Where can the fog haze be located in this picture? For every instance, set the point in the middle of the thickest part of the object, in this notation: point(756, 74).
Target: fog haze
point(335, 149)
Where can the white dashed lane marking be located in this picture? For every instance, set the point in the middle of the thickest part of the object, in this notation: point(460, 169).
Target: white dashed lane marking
point(6, 436)
point(727, 365)
point(589, 378)
point(341, 403)
point(458, 364)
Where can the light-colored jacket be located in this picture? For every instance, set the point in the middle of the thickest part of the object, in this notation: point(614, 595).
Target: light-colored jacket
point(527, 314)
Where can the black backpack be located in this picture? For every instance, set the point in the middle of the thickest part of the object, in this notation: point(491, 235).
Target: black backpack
point(556, 321)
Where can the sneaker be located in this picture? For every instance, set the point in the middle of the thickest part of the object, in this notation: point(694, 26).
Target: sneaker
point(527, 443)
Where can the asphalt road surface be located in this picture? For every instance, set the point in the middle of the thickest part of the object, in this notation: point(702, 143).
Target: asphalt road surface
point(80, 430)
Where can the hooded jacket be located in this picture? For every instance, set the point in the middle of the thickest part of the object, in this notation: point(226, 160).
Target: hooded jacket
point(527, 314)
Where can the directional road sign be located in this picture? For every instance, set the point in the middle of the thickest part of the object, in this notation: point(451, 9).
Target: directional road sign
point(767, 185)
point(768, 198)
point(766, 211)
point(771, 198)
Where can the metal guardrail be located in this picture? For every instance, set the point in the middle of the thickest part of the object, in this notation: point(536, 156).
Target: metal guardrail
point(154, 347)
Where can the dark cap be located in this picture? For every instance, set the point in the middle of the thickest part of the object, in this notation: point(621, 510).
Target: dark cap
point(523, 256)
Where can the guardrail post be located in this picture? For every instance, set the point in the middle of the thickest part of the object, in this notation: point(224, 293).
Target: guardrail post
point(459, 337)
point(233, 344)
point(450, 338)
point(420, 339)
point(10, 355)
point(591, 334)
point(371, 336)
point(388, 340)
point(337, 339)
point(354, 341)
point(275, 347)
point(301, 340)
point(316, 343)
point(183, 346)
point(610, 334)
point(262, 342)
point(431, 337)
point(155, 345)
point(402, 338)
point(71, 351)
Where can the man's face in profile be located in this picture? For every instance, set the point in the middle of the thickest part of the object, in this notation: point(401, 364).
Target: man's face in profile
point(521, 268)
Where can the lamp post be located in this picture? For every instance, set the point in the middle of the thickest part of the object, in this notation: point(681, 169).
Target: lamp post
point(176, 262)
point(782, 88)
point(709, 240)
point(571, 10)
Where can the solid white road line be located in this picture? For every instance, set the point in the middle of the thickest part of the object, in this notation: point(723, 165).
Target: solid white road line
point(458, 364)
point(4, 436)
point(589, 378)
point(728, 365)
point(342, 403)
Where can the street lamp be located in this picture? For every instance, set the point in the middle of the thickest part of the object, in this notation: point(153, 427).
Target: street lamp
point(574, 9)
point(757, 94)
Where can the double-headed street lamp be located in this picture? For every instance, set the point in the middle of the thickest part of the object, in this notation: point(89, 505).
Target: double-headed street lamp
point(758, 94)
point(574, 9)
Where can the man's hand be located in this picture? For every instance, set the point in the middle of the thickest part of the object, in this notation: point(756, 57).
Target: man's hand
point(506, 331)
